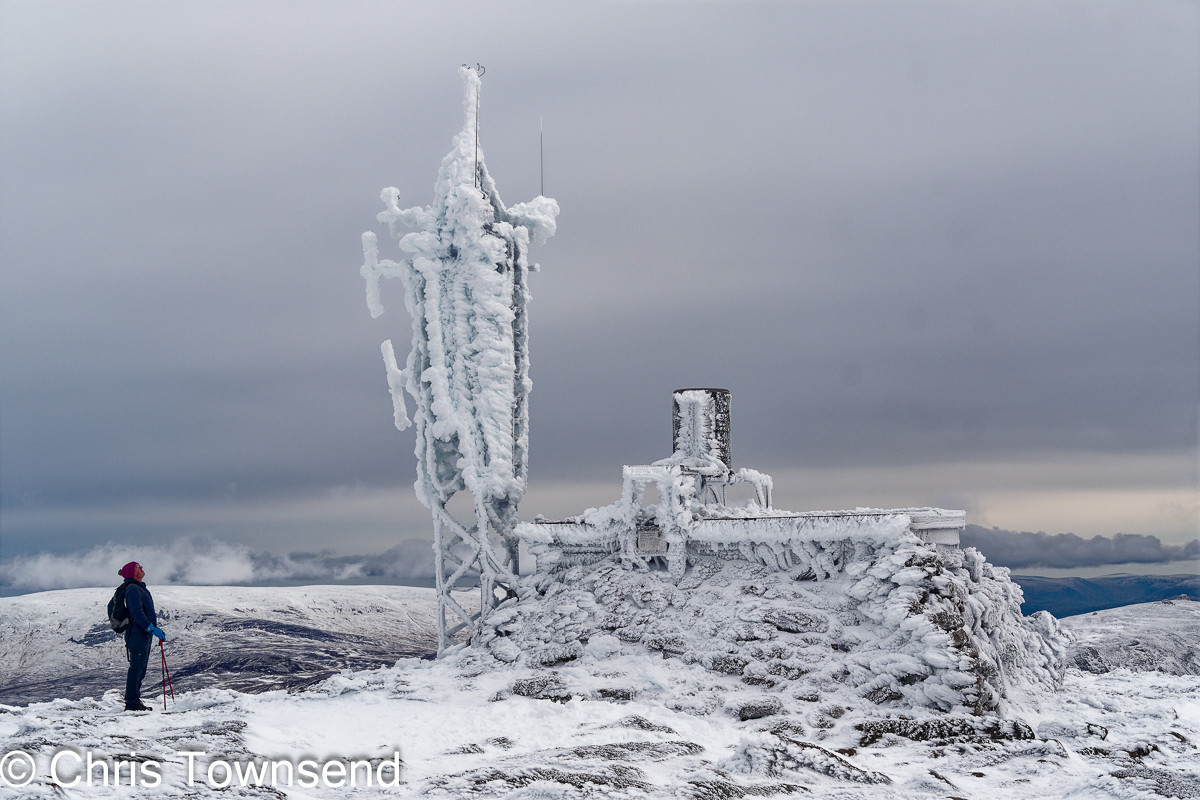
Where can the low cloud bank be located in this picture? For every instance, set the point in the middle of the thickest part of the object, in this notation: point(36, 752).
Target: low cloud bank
point(210, 563)
point(1066, 550)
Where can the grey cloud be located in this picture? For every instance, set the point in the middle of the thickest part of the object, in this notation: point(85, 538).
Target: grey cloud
point(1066, 550)
point(899, 235)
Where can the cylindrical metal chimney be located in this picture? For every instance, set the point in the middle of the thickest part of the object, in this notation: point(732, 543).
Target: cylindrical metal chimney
point(700, 424)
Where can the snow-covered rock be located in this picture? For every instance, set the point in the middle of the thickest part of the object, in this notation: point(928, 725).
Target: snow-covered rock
point(890, 621)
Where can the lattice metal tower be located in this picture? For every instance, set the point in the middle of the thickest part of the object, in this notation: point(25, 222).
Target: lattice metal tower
point(465, 276)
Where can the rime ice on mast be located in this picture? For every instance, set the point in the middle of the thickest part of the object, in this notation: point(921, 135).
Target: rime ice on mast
point(464, 269)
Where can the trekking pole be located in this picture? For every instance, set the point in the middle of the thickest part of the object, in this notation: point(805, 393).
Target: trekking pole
point(166, 676)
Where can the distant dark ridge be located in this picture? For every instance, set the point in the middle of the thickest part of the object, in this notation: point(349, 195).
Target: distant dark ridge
point(1065, 597)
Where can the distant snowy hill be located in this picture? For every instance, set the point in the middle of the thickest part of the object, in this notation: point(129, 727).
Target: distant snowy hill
point(59, 644)
point(1065, 597)
point(1163, 636)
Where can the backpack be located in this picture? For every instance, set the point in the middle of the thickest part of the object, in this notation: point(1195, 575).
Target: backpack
point(118, 613)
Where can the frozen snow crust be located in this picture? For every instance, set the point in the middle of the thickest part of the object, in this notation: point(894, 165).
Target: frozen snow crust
point(888, 622)
point(620, 721)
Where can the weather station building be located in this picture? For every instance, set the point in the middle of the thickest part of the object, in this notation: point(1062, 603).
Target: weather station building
point(677, 510)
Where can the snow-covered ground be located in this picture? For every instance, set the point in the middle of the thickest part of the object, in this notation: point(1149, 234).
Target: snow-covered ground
point(608, 724)
point(1163, 636)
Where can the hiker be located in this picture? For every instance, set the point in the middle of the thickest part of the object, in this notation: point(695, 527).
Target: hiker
point(143, 628)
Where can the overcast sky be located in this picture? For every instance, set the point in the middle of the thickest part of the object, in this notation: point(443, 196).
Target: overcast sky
point(941, 253)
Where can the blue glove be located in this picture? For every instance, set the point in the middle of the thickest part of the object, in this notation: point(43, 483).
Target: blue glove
point(157, 632)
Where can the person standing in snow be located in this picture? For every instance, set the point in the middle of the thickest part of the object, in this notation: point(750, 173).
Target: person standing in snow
point(142, 630)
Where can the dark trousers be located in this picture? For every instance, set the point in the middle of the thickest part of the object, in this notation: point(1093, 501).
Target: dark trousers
point(138, 648)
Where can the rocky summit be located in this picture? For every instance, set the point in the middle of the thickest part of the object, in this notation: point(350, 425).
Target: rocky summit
point(889, 622)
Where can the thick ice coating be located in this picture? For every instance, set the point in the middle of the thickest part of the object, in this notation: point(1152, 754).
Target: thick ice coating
point(464, 269)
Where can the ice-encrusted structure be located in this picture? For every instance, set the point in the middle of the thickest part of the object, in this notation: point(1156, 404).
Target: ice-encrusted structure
point(692, 517)
point(875, 605)
point(464, 268)
point(872, 605)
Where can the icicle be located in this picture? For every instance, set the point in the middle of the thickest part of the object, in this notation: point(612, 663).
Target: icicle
point(395, 379)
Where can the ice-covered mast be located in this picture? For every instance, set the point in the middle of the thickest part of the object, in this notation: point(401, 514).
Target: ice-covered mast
point(465, 272)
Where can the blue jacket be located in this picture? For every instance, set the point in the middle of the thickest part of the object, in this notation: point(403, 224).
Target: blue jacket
point(141, 608)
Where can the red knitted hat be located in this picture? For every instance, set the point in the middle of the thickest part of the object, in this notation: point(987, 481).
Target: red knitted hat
point(127, 570)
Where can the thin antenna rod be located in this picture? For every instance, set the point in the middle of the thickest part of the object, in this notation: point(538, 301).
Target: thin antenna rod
point(479, 70)
point(477, 136)
point(542, 157)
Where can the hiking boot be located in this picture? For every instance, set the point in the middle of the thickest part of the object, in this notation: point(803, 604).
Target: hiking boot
point(139, 707)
